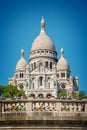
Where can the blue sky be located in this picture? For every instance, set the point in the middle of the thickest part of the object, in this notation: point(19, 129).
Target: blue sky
point(66, 24)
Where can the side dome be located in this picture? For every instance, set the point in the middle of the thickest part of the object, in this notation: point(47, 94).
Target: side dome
point(43, 41)
point(62, 63)
point(22, 63)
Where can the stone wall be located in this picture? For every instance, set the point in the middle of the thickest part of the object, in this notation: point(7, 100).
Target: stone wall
point(43, 114)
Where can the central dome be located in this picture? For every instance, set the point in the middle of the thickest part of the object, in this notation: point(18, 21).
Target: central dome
point(43, 41)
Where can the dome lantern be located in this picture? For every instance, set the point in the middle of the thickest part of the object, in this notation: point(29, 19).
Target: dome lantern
point(22, 53)
point(42, 25)
point(62, 52)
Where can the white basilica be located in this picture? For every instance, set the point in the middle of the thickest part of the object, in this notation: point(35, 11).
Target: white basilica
point(45, 75)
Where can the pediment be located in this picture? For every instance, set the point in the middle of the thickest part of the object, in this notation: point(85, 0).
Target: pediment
point(41, 70)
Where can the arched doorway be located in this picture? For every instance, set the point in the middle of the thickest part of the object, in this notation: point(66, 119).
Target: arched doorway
point(32, 95)
point(40, 96)
point(48, 95)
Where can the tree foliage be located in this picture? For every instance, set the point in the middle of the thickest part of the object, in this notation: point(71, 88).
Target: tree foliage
point(11, 91)
point(63, 94)
point(79, 94)
point(82, 94)
point(2, 89)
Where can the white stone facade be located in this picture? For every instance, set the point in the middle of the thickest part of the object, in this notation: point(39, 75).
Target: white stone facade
point(45, 75)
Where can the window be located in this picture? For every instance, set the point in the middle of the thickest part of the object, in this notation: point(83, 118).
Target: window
point(47, 64)
point(57, 75)
point(21, 75)
point(49, 85)
point(41, 81)
point(68, 75)
point(46, 51)
point(62, 75)
point(38, 51)
point(33, 86)
point(34, 64)
point(50, 52)
point(50, 65)
point(40, 64)
point(42, 51)
point(16, 75)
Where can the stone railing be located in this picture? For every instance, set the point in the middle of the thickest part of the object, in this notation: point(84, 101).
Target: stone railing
point(43, 105)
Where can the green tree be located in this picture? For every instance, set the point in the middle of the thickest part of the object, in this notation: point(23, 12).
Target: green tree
point(2, 88)
point(79, 94)
point(82, 94)
point(63, 94)
point(21, 93)
point(75, 94)
point(6, 94)
point(11, 91)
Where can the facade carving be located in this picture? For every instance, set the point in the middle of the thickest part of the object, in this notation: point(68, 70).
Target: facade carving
point(45, 75)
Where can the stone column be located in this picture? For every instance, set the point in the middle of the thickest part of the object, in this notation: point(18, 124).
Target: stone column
point(57, 106)
point(85, 107)
point(75, 107)
point(0, 109)
point(70, 106)
point(28, 106)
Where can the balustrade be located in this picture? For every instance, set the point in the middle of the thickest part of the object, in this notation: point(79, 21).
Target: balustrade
point(43, 105)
